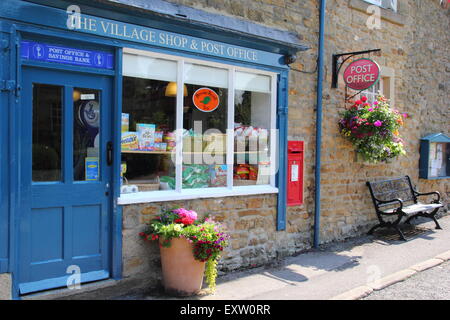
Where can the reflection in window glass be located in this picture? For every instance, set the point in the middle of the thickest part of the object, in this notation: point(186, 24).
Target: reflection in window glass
point(205, 124)
point(251, 129)
point(47, 114)
point(86, 134)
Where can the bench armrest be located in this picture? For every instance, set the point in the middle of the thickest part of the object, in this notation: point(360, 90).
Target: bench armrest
point(418, 194)
point(391, 201)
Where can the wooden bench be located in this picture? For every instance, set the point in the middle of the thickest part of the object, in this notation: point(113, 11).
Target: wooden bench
point(397, 197)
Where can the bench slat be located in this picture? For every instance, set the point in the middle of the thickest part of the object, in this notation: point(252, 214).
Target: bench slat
point(415, 208)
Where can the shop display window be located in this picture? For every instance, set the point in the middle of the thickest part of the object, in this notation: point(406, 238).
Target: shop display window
point(190, 125)
point(148, 124)
point(205, 125)
point(252, 100)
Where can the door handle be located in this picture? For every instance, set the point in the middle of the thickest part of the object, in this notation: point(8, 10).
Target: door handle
point(109, 153)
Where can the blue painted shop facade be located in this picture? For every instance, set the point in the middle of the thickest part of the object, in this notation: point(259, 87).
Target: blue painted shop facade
point(62, 209)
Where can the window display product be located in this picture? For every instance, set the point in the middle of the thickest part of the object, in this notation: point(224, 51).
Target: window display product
point(196, 176)
point(159, 136)
point(219, 175)
point(170, 140)
point(129, 141)
point(146, 136)
point(125, 122)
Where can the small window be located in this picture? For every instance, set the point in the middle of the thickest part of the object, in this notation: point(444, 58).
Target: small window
point(385, 86)
point(373, 91)
point(386, 4)
point(375, 2)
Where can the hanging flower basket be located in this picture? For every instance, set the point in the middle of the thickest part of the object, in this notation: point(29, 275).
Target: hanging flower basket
point(190, 248)
point(373, 129)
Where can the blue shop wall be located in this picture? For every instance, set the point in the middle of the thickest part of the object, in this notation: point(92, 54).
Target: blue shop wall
point(27, 17)
point(4, 172)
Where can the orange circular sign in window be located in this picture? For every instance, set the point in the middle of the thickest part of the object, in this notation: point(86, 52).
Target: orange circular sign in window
point(205, 99)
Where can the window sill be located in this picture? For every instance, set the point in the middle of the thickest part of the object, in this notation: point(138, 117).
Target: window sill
point(386, 14)
point(170, 195)
point(437, 178)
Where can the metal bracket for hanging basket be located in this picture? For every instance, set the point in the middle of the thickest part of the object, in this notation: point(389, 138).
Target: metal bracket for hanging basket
point(337, 65)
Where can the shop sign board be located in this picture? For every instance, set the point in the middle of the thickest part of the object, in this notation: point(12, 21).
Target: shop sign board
point(145, 35)
point(51, 53)
point(362, 74)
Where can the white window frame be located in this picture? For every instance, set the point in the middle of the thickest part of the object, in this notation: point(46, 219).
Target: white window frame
point(211, 192)
point(375, 2)
point(386, 4)
point(386, 85)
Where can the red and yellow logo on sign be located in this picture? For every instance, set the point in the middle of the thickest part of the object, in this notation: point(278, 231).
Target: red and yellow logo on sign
point(205, 100)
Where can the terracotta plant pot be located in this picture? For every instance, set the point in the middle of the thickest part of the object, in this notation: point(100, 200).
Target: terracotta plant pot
point(182, 274)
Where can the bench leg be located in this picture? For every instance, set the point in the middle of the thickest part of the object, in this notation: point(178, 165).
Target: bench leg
point(426, 215)
point(435, 221)
point(402, 236)
point(374, 228)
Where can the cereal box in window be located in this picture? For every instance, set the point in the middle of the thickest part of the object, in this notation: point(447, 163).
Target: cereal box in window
point(146, 135)
point(129, 141)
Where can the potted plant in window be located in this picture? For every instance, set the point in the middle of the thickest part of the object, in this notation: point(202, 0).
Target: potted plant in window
point(373, 129)
point(190, 248)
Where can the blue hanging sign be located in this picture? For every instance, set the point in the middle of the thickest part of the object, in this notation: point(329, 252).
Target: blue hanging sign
point(51, 53)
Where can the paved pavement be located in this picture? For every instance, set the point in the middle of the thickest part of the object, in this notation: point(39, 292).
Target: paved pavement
point(336, 268)
point(330, 272)
point(431, 284)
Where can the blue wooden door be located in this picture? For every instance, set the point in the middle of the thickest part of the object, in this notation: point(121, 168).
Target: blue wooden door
point(65, 160)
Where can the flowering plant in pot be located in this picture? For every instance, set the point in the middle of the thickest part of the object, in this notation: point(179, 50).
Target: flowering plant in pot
point(200, 241)
point(373, 129)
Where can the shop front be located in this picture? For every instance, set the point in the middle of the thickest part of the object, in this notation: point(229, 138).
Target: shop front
point(106, 107)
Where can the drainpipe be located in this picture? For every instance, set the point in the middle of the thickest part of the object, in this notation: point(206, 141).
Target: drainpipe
point(319, 123)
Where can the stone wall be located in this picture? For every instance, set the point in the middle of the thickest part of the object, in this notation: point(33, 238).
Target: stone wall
point(414, 42)
point(250, 220)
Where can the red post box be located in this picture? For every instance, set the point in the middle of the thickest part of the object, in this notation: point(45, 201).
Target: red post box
point(295, 173)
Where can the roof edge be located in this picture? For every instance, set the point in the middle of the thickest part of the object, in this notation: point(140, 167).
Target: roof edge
point(218, 22)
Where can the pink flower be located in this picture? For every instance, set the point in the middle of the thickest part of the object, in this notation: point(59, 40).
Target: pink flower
point(186, 216)
point(375, 102)
point(378, 123)
point(370, 109)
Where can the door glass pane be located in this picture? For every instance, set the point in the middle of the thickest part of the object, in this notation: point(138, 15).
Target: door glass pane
point(86, 134)
point(47, 114)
